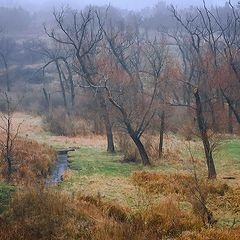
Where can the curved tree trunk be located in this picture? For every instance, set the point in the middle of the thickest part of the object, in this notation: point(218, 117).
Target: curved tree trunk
point(141, 150)
point(133, 134)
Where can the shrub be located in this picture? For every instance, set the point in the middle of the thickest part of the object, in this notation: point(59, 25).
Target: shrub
point(31, 161)
point(171, 152)
point(200, 193)
point(166, 219)
point(60, 123)
point(128, 148)
point(5, 193)
point(46, 214)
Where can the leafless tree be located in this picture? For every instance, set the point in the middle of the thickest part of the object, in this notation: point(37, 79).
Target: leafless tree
point(223, 39)
point(9, 134)
point(55, 53)
point(193, 29)
point(80, 32)
point(138, 67)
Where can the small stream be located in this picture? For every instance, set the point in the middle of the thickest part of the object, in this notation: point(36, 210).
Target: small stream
point(60, 167)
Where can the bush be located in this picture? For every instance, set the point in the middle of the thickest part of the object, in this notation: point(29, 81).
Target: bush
point(171, 152)
point(166, 219)
point(45, 214)
point(128, 148)
point(201, 194)
point(31, 161)
point(5, 193)
point(60, 123)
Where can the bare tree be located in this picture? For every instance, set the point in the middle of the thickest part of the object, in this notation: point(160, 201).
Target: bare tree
point(199, 84)
point(83, 35)
point(9, 133)
point(137, 66)
point(223, 38)
point(55, 53)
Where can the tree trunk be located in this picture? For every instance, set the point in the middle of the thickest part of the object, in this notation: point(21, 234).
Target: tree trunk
point(203, 130)
point(136, 140)
point(141, 150)
point(8, 158)
point(9, 163)
point(62, 86)
point(70, 78)
point(8, 80)
point(230, 104)
point(47, 98)
point(214, 122)
point(230, 121)
point(162, 126)
point(132, 133)
point(108, 125)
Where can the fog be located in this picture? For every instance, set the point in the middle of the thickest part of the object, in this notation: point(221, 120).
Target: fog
point(33, 5)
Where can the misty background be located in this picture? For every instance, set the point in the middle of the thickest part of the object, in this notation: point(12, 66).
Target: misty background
point(32, 5)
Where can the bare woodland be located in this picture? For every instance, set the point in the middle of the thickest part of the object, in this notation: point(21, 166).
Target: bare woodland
point(132, 77)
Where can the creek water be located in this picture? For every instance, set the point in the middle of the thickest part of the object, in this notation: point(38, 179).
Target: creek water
point(60, 167)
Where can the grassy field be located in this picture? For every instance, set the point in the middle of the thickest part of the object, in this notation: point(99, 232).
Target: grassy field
point(95, 172)
point(92, 160)
point(88, 161)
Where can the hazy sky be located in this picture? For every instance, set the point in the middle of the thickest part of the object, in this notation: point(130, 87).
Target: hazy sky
point(125, 4)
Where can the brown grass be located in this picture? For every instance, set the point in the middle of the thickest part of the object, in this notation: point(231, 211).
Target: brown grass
point(31, 161)
point(204, 196)
point(212, 234)
point(174, 146)
point(48, 214)
point(45, 214)
point(33, 128)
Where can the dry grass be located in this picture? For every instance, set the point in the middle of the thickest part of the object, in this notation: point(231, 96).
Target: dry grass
point(117, 189)
point(174, 147)
point(47, 214)
point(44, 214)
point(217, 196)
point(60, 123)
point(32, 128)
point(149, 205)
point(31, 161)
point(212, 234)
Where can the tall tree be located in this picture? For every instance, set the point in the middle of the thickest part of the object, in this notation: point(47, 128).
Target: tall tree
point(193, 31)
point(79, 31)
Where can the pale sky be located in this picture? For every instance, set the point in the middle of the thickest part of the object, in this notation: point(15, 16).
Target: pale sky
point(124, 4)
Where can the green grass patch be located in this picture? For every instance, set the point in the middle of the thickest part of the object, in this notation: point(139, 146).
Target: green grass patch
point(227, 158)
point(5, 193)
point(91, 161)
point(231, 150)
